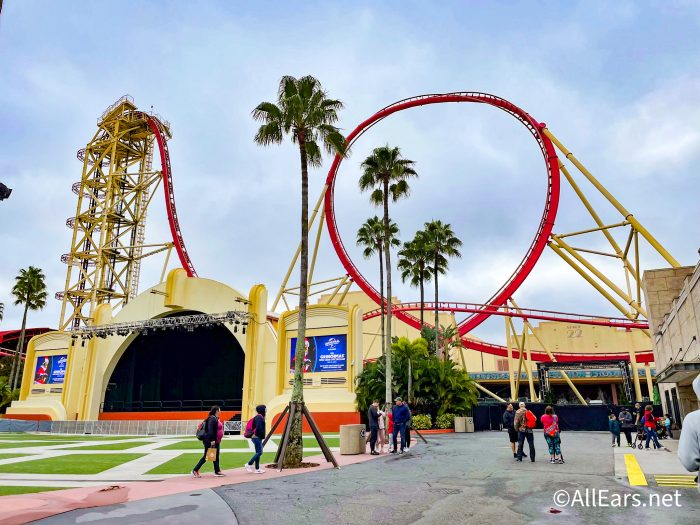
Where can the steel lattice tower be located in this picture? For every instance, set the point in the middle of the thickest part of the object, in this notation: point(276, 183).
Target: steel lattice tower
point(117, 185)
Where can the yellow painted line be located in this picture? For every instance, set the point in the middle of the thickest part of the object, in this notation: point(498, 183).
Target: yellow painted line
point(634, 471)
point(675, 480)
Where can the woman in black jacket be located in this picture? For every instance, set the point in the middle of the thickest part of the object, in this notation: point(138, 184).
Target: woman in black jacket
point(257, 439)
point(212, 439)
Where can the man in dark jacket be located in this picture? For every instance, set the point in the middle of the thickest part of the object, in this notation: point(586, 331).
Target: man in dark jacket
point(373, 417)
point(257, 439)
point(627, 425)
point(401, 416)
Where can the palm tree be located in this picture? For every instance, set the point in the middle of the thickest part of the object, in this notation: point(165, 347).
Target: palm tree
point(306, 113)
point(371, 237)
point(29, 290)
point(2, 311)
point(442, 243)
point(414, 264)
point(386, 173)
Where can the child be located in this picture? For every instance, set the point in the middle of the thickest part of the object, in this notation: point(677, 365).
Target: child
point(667, 424)
point(614, 426)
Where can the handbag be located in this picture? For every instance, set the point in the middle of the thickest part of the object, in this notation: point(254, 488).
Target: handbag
point(211, 454)
point(552, 429)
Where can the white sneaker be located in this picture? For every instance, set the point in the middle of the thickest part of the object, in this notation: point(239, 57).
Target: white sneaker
point(260, 471)
point(407, 449)
point(249, 468)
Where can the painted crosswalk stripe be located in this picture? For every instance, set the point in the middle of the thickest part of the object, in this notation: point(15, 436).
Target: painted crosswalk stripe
point(634, 471)
point(675, 480)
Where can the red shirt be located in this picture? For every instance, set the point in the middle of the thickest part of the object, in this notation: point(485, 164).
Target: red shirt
point(547, 420)
point(390, 416)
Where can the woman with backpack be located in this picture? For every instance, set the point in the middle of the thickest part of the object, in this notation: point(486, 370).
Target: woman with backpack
point(550, 422)
point(255, 430)
point(212, 431)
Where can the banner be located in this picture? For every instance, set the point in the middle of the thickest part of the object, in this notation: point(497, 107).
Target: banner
point(323, 353)
point(50, 370)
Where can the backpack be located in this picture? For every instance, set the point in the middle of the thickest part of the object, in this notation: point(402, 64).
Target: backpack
point(248, 432)
point(201, 430)
point(552, 429)
point(530, 419)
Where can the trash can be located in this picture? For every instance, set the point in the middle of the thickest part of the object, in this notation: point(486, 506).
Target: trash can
point(460, 424)
point(470, 424)
point(352, 439)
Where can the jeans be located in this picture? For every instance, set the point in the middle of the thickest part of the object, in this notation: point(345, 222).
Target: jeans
point(615, 437)
point(408, 437)
point(203, 459)
point(651, 434)
point(257, 443)
point(522, 436)
point(670, 433)
point(373, 431)
point(401, 427)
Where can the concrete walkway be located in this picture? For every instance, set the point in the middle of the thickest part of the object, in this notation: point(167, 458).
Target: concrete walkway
point(454, 479)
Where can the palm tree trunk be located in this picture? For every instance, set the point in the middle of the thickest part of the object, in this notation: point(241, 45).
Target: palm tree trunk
point(438, 349)
point(387, 260)
point(381, 295)
point(16, 362)
point(295, 450)
point(422, 295)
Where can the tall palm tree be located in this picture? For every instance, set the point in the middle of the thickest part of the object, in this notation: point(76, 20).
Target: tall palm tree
point(385, 173)
point(414, 265)
point(29, 290)
point(371, 237)
point(306, 113)
point(442, 243)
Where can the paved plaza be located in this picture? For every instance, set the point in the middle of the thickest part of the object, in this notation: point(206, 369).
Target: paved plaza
point(457, 478)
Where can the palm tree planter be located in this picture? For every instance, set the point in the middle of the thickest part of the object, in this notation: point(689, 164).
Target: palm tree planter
point(385, 172)
point(371, 237)
point(305, 113)
point(29, 290)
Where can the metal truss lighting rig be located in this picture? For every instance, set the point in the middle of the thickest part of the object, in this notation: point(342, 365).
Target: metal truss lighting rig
point(186, 322)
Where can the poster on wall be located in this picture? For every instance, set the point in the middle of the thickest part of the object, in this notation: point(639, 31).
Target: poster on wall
point(50, 369)
point(323, 353)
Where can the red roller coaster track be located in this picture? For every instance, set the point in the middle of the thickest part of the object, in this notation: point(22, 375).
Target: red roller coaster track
point(482, 311)
point(175, 230)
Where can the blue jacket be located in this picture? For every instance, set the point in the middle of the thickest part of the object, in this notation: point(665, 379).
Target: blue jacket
point(401, 414)
point(614, 426)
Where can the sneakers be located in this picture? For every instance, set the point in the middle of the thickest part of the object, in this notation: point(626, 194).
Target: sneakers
point(219, 474)
point(195, 474)
point(374, 453)
point(552, 460)
point(260, 471)
point(249, 468)
point(613, 445)
point(407, 449)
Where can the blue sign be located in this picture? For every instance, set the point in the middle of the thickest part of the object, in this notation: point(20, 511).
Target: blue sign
point(323, 353)
point(50, 369)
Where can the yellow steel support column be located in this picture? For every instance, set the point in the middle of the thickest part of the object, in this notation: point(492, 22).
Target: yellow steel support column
point(335, 290)
point(487, 391)
point(618, 206)
point(528, 365)
point(551, 356)
point(315, 253)
point(521, 357)
point(635, 376)
point(650, 383)
point(600, 275)
point(345, 292)
point(510, 361)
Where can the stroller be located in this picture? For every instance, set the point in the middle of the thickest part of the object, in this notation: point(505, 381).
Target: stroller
point(640, 438)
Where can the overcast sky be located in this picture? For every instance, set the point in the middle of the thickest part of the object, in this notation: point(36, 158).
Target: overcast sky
point(617, 82)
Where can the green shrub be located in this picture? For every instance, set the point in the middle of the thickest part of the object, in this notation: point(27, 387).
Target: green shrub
point(445, 421)
point(422, 422)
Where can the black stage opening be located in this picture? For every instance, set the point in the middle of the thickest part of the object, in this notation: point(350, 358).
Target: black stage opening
point(176, 370)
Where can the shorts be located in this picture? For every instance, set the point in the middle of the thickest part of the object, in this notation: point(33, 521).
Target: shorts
point(513, 435)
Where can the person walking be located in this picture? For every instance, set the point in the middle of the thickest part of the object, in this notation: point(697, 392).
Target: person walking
point(373, 417)
point(213, 433)
point(401, 417)
point(614, 427)
point(649, 422)
point(524, 422)
point(626, 425)
point(508, 424)
point(257, 439)
point(689, 442)
point(550, 424)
